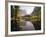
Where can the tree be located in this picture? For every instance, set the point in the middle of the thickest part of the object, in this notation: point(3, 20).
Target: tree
point(14, 25)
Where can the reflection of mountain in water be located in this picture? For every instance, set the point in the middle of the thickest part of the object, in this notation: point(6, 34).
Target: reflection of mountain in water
point(28, 26)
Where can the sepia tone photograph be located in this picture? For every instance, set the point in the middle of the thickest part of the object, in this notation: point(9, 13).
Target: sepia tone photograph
point(25, 18)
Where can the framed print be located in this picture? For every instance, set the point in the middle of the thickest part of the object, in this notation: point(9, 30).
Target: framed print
point(25, 18)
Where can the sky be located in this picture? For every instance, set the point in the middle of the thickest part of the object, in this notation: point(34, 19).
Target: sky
point(28, 9)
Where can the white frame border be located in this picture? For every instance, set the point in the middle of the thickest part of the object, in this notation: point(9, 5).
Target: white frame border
point(24, 32)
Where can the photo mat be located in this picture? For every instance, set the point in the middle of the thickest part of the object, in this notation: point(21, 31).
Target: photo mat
point(25, 18)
